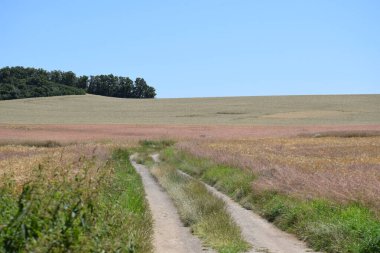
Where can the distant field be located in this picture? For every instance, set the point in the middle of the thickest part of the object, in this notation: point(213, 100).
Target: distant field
point(275, 110)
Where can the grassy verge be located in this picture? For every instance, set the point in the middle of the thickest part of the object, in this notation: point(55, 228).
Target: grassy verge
point(204, 213)
point(105, 212)
point(325, 225)
point(126, 223)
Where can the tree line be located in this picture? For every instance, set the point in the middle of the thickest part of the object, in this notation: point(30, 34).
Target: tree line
point(21, 82)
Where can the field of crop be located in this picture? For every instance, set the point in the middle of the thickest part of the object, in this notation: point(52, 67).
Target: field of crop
point(297, 160)
point(343, 169)
point(280, 110)
point(19, 162)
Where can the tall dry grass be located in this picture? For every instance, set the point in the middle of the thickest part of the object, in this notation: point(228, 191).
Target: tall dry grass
point(340, 169)
point(77, 198)
point(20, 163)
point(19, 160)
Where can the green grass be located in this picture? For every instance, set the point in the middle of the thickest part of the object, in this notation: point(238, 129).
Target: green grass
point(275, 110)
point(199, 209)
point(108, 215)
point(236, 183)
point(325, 225)
point(126, 223)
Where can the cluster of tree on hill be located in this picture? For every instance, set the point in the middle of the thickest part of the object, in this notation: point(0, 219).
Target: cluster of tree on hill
point(20, 82)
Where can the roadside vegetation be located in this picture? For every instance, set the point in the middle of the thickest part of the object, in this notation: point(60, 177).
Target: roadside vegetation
point(338, 166)
point(79, 198)
point(199, 209)
point(326, 225)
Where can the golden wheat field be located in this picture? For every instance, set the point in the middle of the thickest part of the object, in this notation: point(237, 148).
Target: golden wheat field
point(20, 163)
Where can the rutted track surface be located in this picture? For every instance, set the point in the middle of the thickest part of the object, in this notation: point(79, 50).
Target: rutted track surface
point(170, 236)
point(262, 235)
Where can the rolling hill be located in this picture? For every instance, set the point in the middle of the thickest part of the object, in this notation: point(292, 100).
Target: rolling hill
point(270, 110)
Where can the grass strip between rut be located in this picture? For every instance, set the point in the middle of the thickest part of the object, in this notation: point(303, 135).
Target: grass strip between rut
point(325, 225)
point(107, 213)
point(199, 209)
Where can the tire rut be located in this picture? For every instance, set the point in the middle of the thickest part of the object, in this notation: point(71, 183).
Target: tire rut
point(261, 234)
point(170, 236)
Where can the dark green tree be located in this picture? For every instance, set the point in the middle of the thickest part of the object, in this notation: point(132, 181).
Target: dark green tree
point(69, 78)
point(142, 90)
point(20, 82)
point(82, 82)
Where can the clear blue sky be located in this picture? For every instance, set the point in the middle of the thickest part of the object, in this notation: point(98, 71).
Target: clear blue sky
point(196, 48)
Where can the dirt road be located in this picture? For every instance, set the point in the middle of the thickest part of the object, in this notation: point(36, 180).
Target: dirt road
point(262, 235)
point(170, 236)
